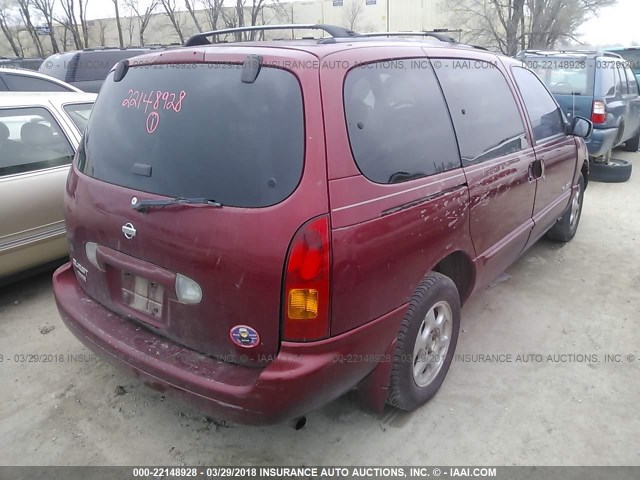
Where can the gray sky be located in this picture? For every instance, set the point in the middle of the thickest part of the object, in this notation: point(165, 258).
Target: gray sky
point(619, 24)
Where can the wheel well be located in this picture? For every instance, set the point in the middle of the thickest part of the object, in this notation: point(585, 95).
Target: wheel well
point(459, 268)
point(585, 172)
point(621, 128)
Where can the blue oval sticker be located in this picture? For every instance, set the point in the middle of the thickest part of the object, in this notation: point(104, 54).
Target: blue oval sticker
point(244, 336)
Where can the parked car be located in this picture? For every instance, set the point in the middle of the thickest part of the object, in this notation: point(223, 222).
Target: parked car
point(39, 134)
point(270, 225)
point(631, 57)
point(87, 69)
point(601, 86)
point(20, 62)
point(21, 80)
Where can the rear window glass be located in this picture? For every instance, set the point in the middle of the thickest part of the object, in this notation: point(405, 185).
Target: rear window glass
point(564, 76)
point(199, 132)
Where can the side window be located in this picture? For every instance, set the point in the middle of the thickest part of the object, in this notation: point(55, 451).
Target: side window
point(623, 79)
point(3, 87)
point(607, 81)
point(398, 124)
point(619, 82)
point(633, 82)
point(545, 115)
point(24, 83)
point(484, 111)
point(30, 139)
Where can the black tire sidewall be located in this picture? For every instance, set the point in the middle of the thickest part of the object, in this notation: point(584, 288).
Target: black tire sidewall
point(601, 172)
point(404, 392)
point(632, 144)
point(572, 231)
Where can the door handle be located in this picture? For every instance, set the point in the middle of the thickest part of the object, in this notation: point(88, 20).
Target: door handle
point(536, 170)
point(530, 173)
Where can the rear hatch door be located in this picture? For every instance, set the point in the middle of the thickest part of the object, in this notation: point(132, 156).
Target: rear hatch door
point(186, 128)
point(570, 80)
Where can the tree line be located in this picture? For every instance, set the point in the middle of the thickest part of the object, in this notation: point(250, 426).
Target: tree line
point(42, 19)
point(512, 25)
point(503, 25)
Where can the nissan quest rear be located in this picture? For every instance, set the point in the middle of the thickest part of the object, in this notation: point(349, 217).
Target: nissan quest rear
point(241, 234)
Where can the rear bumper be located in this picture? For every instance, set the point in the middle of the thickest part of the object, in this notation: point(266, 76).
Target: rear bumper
point(301, 378)
point(601, 141)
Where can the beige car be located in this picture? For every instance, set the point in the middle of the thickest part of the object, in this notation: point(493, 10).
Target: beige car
point(39, 134)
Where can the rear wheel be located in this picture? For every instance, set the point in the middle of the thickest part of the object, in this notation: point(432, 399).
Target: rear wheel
point(426, 342)
point(565, 228)
point(614, 171)
point(632, 144)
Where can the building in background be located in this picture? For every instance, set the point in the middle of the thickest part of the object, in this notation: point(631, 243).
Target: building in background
point(360, 15)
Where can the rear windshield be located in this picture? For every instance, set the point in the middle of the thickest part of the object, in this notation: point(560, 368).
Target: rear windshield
point(198, 131)
point(564, 76)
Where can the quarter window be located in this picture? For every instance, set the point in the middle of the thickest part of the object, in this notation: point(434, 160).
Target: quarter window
point(546, 117)
point(623, 80)
point(633, 82)
point(30, 139)
point(398, 123)
point(619, 82)
point(79, 114)
point(484, 112)
point(607, 81)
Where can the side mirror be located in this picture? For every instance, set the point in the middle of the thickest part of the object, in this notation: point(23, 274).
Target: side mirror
point(580, 127)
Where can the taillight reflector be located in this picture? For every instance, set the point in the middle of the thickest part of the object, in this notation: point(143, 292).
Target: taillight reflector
point(306, 313)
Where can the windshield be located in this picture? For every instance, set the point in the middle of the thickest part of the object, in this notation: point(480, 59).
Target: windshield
point(564, 76)
point(196, 130)
point(79, 114)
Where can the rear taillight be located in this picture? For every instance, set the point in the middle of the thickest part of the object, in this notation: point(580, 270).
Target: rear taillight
point(306, 309)
point(599, 114)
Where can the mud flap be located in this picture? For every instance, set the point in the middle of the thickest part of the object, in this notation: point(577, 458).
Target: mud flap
point(373, 390)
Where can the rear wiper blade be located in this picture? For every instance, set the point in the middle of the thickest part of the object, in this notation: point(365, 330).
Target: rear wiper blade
point(145, 205)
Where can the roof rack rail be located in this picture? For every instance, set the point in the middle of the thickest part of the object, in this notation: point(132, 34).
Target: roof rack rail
point(334, 31)
point(437, 35)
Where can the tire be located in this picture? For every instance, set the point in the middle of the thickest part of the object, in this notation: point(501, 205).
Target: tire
point(435, 297)
point(616, 171)
point(567, 226)
point(632, 144)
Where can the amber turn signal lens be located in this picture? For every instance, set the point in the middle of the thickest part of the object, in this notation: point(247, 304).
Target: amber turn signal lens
point(303, 303)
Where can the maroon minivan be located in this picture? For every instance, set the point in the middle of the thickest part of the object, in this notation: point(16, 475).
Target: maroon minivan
point(261, 227)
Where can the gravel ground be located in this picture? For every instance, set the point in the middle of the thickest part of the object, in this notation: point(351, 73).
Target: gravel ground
point(581, 300)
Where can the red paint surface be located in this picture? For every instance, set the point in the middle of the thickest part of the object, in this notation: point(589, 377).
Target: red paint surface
point(384, 239)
